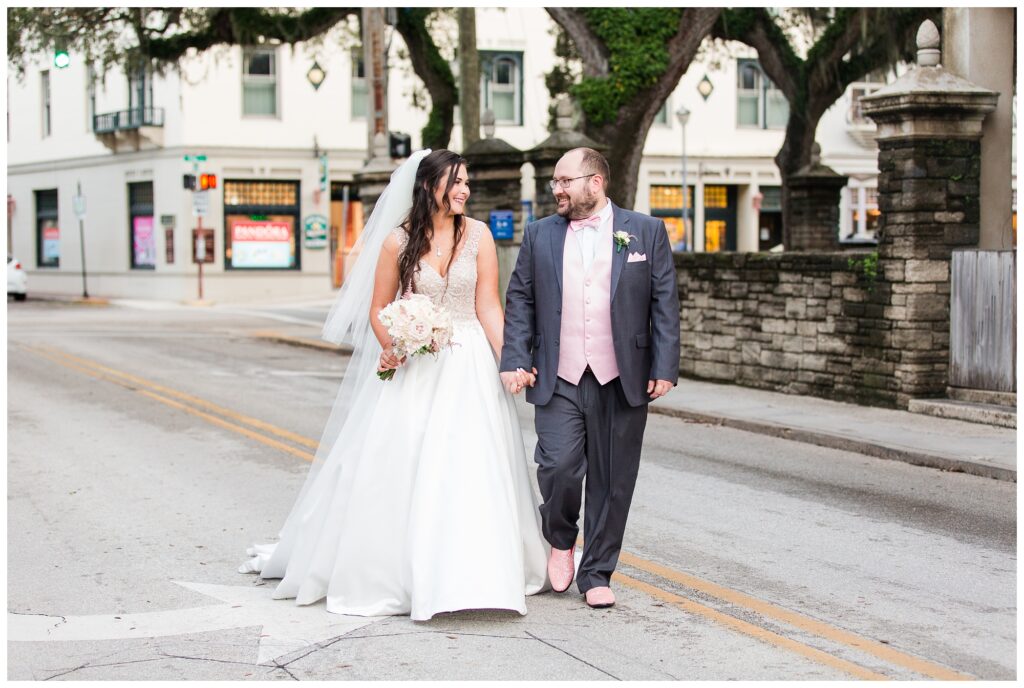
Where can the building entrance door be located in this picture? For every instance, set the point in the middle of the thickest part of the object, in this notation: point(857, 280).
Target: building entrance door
point(719, 218)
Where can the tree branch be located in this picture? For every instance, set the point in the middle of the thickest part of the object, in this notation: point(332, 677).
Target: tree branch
point(756, 28)
point(592, 50)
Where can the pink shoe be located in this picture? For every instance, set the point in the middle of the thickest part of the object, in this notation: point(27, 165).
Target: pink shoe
point(599, 598)
point(561, 568)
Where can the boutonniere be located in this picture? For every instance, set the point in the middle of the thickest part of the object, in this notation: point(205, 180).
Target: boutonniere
point(622, 240)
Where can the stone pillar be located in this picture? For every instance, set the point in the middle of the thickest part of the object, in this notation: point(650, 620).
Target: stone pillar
point(929, 156)
point(979, 45)
point(814, 206)
point(547, 153)
point(496, 183)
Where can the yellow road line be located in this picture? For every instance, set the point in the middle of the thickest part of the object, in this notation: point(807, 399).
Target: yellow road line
point(304, 455)
point(793, 618)
point(749, 629)
point(195, 401)
point(761, 607)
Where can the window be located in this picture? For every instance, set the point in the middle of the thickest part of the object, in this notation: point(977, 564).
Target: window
point(261, 221)
point(47, 230)
point(758, 102)
point(140, 223)
point(667, 205)
point(259, 82)
point(662, 116)
point(360, 89)
point(501, 76)
point(858, 91)
point(90, 97)
point(46, 104)
point(864, 211)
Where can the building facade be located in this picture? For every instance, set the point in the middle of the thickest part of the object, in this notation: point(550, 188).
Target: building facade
point(103, 157)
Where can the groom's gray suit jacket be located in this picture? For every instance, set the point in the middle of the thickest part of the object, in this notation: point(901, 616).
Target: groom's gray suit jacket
point(644, 304)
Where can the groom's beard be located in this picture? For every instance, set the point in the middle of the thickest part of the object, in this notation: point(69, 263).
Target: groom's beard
point(579, 208)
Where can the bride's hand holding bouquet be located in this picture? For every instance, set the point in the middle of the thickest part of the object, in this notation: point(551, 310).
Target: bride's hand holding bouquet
point(416, 327)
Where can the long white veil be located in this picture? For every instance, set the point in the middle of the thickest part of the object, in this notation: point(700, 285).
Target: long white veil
point(349, 322)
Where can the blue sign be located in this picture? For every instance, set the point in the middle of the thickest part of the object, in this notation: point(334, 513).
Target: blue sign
point(502, 224)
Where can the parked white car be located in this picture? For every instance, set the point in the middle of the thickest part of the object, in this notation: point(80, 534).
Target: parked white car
point(17, 279)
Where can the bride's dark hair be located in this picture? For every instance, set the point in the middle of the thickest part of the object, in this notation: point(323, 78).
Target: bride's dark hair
point(430, 175)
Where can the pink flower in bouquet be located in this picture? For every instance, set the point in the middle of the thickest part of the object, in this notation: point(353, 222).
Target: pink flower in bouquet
point(416, 327)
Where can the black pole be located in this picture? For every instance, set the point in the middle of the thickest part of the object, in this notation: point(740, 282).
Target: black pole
point(81, 241)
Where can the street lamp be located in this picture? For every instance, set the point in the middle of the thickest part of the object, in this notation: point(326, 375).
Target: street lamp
point(684, 115)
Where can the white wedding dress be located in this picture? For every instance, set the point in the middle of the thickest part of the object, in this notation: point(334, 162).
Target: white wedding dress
point(426, 505)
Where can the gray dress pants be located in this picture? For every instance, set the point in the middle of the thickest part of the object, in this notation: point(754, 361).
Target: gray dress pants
point(588, 431)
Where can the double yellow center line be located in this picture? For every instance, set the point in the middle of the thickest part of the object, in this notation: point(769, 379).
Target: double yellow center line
point(299, 446)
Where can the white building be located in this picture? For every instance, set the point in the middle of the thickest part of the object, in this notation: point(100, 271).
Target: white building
point(262, 127)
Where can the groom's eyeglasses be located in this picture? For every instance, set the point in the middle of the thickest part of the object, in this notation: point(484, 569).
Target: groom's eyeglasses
point(564, 183)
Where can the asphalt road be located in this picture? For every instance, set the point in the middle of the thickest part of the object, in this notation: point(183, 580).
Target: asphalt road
point(147, 448)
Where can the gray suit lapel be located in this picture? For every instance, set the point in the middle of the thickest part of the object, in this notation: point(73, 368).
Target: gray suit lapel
point(620, 223)
point(557, 230)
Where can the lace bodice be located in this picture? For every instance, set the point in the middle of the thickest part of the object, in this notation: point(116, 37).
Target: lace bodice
point(457, 293)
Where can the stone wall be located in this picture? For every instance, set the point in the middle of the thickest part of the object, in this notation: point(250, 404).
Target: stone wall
point(803, 323)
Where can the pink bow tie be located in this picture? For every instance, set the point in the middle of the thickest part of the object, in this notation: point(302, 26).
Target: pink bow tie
point(593, 221)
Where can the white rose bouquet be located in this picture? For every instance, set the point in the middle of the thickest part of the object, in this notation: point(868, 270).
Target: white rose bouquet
point(416, 326)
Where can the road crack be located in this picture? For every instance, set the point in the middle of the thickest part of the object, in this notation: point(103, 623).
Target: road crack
point(578, 659)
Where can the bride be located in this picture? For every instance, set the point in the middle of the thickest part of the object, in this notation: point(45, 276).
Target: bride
point(419, 500)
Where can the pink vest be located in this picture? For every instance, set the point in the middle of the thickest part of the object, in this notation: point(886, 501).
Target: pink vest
point(586, 335)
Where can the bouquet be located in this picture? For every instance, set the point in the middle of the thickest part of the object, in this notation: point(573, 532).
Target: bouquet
point(416, 327)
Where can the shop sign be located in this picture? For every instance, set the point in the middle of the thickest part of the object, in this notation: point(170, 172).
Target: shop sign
point(51, 244)
point(144, 241)
point(261, 244)
point(315, 231)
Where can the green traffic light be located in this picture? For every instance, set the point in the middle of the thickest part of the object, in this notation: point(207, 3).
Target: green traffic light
point(61, 59)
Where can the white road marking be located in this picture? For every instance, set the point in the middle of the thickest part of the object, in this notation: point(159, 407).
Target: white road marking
point(287, 627)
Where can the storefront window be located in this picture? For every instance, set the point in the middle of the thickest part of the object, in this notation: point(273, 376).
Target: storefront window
point(47, 230)
point(140, 221)
point(667, 205)
point(865, 216)
point(261, 220)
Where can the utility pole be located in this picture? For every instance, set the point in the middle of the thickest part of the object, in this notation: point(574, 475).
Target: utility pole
point(373, 61)
point(469, 77)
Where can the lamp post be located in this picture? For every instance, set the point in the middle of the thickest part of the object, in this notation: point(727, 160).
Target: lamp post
point(684, 115)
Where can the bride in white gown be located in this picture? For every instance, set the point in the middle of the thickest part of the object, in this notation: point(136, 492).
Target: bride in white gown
point(419, 500)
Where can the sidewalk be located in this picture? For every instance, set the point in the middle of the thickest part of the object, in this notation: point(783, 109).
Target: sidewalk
point(914, 438)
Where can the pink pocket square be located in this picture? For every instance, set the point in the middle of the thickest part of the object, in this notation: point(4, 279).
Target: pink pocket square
point(636, 258)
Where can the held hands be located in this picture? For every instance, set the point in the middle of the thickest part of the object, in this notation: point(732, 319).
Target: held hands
point(514, 381)
point(658, 388)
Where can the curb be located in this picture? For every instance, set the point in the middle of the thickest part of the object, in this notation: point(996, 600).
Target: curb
point(303, 342)
point(878, 451)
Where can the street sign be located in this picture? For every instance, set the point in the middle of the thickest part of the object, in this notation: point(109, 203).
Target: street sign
point(78, 202)
point(502, 224)
point(201, 203)
point(202, 245)
point(316, 231)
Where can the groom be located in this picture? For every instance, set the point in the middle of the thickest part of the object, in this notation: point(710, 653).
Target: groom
point(592, 327)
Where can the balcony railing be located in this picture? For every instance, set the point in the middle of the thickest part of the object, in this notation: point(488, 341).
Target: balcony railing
point(112, 122)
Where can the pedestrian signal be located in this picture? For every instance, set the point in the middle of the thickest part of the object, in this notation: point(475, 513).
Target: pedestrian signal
point(190, 182)
point(207, 181)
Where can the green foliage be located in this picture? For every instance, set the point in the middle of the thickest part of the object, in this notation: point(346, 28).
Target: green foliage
point(636, 40)
point(867, 269)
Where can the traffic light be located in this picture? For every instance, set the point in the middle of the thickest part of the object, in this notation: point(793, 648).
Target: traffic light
point(190, 182)
point(400, 144)
point(207, 181)
point(61, 58)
